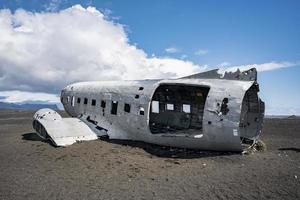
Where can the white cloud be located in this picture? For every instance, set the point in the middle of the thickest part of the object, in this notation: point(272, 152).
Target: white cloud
point(224, 64)
point(261, 67)
point(201, 52)
point(43, 52)
point(20, 96)
point(53, 5)
point(172, 50)
point(183, 56)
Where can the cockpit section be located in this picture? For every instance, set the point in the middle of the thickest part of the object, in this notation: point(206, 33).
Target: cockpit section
point(177, 109)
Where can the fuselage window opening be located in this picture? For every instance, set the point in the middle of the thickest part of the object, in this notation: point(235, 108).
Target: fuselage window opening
point(170, 106)
point(68, 99)
point(73, 101)
point(78, 100)
point(93, 102)
point(114, 107)
point(103, 104)
point(85, 101)
point(142, 111)
point(155, 106)
point(186, 108)
point(127, 107)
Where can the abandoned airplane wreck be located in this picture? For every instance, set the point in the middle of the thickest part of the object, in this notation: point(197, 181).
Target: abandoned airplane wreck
point(206, 111)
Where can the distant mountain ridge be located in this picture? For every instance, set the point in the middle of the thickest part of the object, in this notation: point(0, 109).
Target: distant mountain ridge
point(27, 106)
point(282, 116)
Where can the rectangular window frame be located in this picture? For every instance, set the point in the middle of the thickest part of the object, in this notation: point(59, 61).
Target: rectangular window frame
point(170, 106)
point(103, 104)
point(85, 102)
point(142, 111)
point(94, 102)
point(186, 108)
point(73, 101)
point(127, 107)
point(114, 108)
point(155, 106)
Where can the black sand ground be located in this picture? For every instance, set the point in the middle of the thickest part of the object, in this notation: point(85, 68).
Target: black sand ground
point(32, 169)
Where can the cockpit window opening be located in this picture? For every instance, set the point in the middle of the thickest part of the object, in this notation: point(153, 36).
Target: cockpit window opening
point(68, 99)
point(127, 107)
point(93, 102)
point(114, 107)
point(85, 101)
point(78, 100)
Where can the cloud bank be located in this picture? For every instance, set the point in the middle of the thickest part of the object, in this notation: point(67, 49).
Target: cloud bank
point(45, 51)
point(16, 96)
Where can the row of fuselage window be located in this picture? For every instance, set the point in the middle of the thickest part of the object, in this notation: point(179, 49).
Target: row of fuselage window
point(114, 105)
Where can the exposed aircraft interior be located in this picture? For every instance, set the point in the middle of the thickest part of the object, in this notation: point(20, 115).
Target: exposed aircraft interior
point(251, 115)
point(177, 109)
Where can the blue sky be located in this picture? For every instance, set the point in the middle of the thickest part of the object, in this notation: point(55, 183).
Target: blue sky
point(213, 33)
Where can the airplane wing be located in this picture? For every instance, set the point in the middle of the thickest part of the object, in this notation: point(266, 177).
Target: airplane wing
point(61, 131)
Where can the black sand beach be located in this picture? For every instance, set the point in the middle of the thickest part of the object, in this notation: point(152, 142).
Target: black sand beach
point(33, 169)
